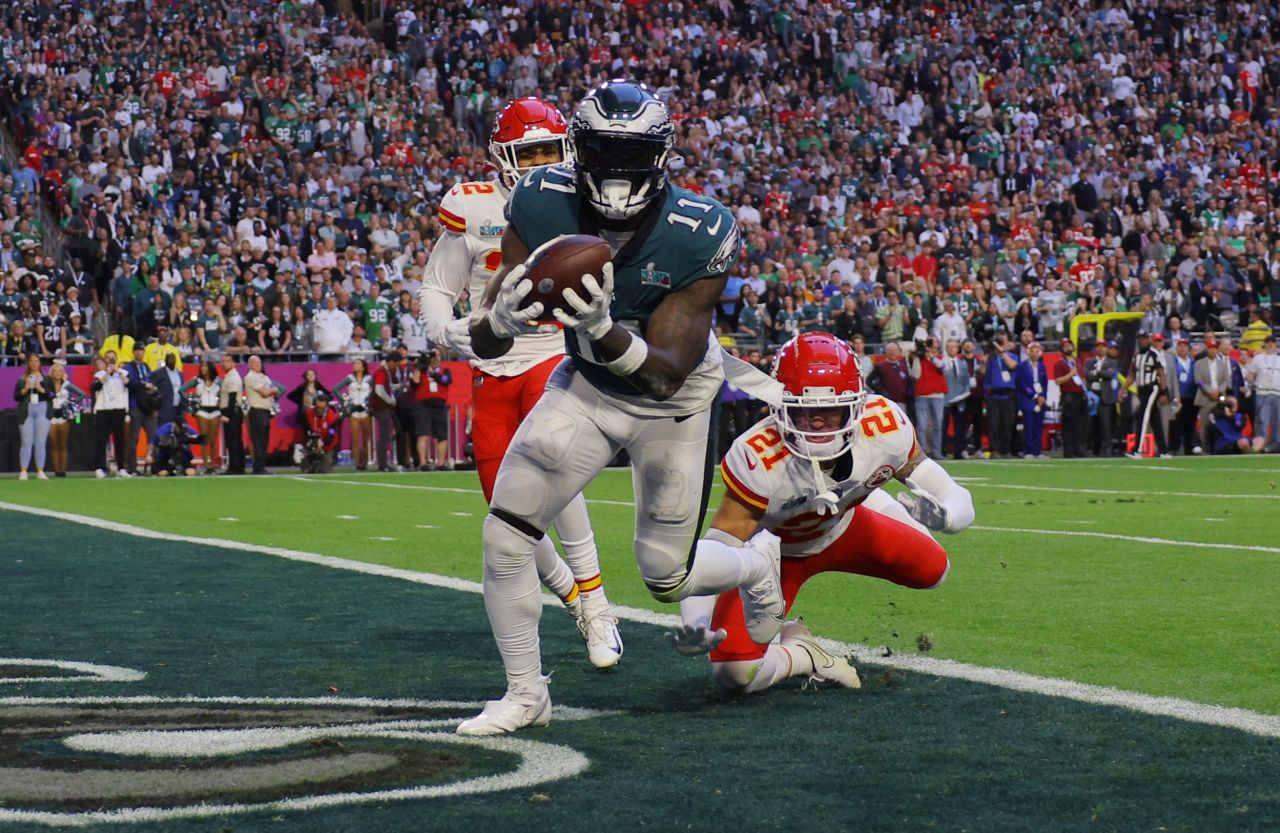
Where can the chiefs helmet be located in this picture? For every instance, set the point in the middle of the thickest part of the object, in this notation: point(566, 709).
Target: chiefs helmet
point(523, 123)
point(822, 395)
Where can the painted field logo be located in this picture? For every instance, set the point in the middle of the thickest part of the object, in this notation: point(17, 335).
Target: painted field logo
point(68, 762)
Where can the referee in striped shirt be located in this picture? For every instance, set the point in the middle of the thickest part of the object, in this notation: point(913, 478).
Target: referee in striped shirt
point(1148, 375)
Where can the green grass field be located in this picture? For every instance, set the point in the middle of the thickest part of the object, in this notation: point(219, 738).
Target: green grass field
point(1155, 578)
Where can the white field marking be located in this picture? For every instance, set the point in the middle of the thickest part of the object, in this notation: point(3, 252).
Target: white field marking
point(461, 514)
point(539, 762)
point(228, 519)
point(1077, 521)
point(1081, 533)
point(1212, 520)
point(89, 672)
point(1187, 710)
point(380, 538)
point(418, 488)
point(1210, 495)
point(347, 517)
point(971, 479)
point(425, 526)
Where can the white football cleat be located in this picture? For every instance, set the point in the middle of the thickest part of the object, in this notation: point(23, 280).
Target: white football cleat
point(762, 604)
point(99, 473)
point(826, 665)
point(522, 706)
point(600, 630)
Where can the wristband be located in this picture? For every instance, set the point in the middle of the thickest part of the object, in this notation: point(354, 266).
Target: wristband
point(631, 359)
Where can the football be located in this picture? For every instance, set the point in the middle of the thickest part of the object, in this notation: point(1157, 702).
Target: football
point(559, 264)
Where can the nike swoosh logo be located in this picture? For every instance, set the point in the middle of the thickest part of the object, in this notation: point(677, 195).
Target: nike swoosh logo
point(750, 463)
point(713, 230)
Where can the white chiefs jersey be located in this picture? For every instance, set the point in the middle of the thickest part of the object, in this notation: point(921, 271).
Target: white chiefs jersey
point(465, 257)
point(761, 472)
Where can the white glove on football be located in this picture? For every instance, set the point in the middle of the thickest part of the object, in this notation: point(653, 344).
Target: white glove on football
point(692, 640)
point(924, 508)
point(457, 334)
point(592, 319)
point(508, 318)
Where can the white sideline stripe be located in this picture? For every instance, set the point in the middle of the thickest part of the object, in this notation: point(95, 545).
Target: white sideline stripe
point(1114, 537)
point(1211, 495)
point(1228, 717)
point(1168, 542)
point(89, 672)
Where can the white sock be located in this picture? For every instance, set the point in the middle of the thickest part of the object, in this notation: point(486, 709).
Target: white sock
point(579, 543)
point(512, 598)
point(755, 676)
point(553, 572)
point(697, 610)
point(718, 567)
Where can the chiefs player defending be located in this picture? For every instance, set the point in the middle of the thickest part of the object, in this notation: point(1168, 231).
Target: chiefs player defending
point(528, 134)
point(811, 475)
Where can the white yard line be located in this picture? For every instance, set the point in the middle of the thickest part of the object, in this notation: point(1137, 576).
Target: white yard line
point(1074, 490)
point(1235, 718)
point(1168, 542)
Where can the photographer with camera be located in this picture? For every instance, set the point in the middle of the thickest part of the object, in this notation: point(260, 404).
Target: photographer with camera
point(430, 384)
point(173, 457)
point(110, 390)
point(931, 394)
point(322, 434)
point(998, 391)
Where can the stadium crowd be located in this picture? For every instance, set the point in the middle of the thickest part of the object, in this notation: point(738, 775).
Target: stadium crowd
point(261, 177)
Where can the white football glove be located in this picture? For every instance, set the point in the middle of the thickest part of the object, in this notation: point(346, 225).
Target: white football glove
point(508, 318)
point(457, 334)
point(924, 508)
point(693, 640)
point(592, 319)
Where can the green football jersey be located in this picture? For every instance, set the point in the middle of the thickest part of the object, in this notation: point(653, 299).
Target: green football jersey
point(684, 238)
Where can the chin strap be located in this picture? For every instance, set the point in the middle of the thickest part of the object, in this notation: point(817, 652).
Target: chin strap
point(826, 502)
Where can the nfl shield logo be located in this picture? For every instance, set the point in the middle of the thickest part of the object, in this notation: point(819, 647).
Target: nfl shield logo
point(653, 277)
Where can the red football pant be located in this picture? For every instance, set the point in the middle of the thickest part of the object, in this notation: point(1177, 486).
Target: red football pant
point(500, 404)
point(874, 545)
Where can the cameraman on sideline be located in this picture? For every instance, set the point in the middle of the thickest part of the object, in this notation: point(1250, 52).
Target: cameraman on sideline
point(430, 383)
point(323, 424)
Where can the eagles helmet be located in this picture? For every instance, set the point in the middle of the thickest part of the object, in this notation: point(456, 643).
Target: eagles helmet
point(621, 135)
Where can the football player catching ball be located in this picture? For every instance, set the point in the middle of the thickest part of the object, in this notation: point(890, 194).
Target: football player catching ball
point(643, 373)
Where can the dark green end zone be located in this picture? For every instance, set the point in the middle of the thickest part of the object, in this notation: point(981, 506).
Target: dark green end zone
point(907, 753)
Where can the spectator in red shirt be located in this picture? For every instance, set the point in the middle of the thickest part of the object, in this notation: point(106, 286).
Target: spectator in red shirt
point(1075, 410)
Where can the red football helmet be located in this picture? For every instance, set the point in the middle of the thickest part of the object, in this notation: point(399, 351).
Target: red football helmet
point(523, 123)
point(822, 395)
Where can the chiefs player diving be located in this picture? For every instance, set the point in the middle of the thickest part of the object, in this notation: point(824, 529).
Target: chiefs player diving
point(528, 134)
point(807, 479)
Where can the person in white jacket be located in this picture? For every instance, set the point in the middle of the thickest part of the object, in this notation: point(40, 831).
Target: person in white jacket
point(332, 328)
